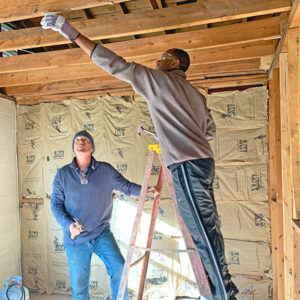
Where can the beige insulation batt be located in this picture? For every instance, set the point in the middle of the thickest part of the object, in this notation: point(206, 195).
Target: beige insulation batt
point(10, 252)
point(44, 137)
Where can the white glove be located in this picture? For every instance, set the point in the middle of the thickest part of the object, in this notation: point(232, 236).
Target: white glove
point(60, 24)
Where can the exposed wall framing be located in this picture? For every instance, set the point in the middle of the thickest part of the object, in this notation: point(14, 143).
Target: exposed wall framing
point(284, 105)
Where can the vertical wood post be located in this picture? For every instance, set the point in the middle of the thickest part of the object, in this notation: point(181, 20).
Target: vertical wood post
point(275, 186)
point(286, 163)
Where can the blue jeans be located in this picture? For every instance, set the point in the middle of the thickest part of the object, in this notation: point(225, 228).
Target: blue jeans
point(79, 258)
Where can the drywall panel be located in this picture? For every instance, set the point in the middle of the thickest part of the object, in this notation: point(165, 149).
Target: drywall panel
point(10, 252)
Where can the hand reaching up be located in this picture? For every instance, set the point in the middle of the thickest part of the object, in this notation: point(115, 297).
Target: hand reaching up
point(60, 24)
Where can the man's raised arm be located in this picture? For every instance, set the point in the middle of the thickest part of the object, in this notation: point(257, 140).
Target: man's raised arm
point(60, 24)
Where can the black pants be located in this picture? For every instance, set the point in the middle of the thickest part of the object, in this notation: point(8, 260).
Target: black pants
point(196, 204)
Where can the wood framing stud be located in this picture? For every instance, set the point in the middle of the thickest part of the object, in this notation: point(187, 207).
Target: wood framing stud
point(294, 100)
point(286, 177)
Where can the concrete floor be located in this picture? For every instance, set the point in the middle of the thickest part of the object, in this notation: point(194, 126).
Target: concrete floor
point(33, 296)
point(67, 297)
point(49, 297)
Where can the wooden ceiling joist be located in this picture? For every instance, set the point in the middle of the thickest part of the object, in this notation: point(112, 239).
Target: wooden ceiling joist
point(89, 71)
point(18, 10)
point(65, 86)
point(118, 88)
point(126, 91)
point(253, 64)
point(206, 56)
point(232, 49)
point(153, 4)
point(198, 13)
point(231, 81)
point(232, 53)
point(266, 29)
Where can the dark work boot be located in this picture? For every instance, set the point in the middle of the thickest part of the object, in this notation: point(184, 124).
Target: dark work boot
point(233, 290)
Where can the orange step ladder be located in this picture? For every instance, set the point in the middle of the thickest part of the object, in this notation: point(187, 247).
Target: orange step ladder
point(199, 272)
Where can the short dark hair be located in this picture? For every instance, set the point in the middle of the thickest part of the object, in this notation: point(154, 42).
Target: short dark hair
point(183, 58)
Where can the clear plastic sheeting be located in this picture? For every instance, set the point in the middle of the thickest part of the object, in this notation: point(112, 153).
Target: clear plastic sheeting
point(240, 189)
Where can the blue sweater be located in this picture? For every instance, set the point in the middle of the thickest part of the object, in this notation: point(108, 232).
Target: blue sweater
point(91, 203)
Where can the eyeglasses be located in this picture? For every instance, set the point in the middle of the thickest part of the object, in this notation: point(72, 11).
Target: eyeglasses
point(167, 55)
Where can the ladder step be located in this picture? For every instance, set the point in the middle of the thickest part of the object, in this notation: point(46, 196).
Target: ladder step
point(164, 250)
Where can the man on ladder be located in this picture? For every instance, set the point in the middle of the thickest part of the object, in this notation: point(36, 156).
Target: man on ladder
point(183, 125)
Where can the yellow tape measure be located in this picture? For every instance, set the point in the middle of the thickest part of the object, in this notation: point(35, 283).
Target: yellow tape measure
point(155, 147)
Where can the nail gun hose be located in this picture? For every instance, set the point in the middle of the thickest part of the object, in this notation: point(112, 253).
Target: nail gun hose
point(22, 291)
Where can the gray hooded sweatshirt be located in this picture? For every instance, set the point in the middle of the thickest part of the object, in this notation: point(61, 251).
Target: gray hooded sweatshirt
point(182, 121)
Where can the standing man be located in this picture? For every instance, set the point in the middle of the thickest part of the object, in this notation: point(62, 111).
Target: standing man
point(183, 125)
point(83, 190)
